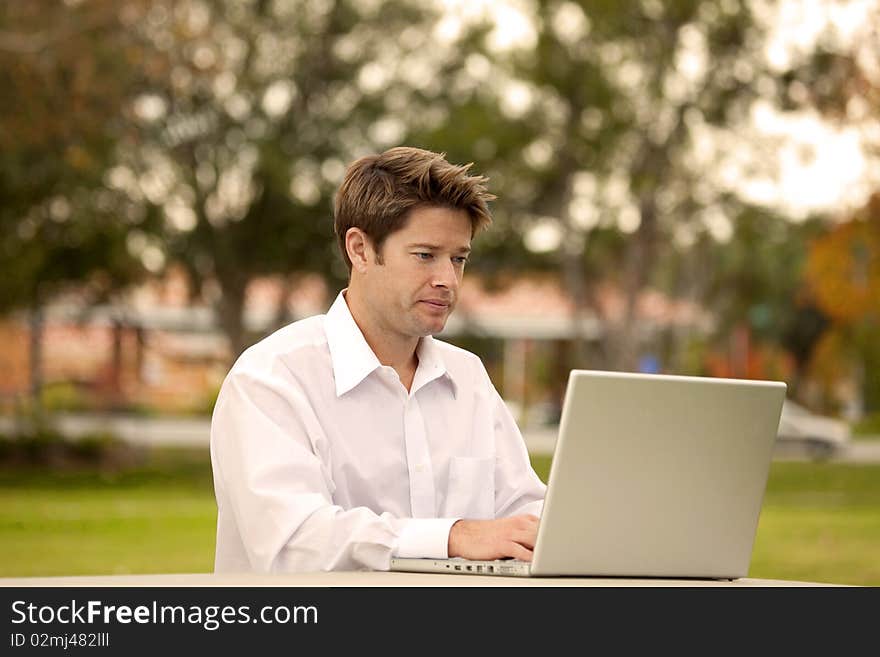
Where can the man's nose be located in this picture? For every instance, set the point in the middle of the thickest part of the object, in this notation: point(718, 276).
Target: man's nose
point(445, 274)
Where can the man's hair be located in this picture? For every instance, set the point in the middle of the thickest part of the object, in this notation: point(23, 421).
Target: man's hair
point(379, 191)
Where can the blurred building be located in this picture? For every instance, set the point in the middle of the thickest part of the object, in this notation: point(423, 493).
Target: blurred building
point(159, 349)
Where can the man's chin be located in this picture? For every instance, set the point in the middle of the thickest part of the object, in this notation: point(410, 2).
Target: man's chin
point(432, 322)
point(432, 327)
point(432, 330)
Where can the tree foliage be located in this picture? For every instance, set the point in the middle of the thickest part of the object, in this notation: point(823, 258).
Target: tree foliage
point(65, 73)
point(617, 136)
point(243, 143)
point(624, 129)
point(843, 275)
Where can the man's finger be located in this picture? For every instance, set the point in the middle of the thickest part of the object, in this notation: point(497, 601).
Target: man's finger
point(526, 540)
point(520, 552)
point(526, 535)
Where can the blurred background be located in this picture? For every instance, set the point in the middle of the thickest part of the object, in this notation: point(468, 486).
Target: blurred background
point(685, 187)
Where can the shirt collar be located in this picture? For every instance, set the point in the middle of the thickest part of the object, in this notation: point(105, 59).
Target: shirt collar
point(353, 360)
point(350, 355)
point(431, 366)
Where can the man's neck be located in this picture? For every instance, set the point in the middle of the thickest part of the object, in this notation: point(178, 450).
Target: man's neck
point(390, 348)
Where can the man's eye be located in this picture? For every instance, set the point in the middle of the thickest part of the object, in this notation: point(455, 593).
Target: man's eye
point(423, 256)
point(460, 260)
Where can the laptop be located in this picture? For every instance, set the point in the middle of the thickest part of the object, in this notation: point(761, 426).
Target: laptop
point(653, 475)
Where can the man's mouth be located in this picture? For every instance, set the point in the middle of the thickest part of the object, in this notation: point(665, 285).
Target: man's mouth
point(436, 303)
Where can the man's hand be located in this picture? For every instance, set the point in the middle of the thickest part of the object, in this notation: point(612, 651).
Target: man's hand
point(494, 539)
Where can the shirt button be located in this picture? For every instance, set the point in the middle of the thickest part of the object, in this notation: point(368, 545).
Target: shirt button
point(420, 467)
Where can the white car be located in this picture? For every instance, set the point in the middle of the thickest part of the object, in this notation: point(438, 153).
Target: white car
point(821, 436)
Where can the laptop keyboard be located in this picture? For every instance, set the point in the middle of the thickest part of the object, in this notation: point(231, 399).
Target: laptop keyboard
point(488, 567)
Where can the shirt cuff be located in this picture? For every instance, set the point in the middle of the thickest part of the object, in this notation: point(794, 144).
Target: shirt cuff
point(424, 538)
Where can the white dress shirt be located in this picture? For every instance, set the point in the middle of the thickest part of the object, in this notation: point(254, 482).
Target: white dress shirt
point(323, 461)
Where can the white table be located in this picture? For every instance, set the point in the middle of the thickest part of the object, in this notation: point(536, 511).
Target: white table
point(377, 579)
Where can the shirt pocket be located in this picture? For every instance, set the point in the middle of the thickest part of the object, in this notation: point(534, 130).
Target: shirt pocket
point(471, 491)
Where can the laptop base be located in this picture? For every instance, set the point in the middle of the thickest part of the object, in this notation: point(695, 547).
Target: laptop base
point(503, 567)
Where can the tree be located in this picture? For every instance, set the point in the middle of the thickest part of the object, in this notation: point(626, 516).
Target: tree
point(624, 128)
point(843, 274)
point(840, 80)
point(754, 284)
point(65, 72)
point(242, 147)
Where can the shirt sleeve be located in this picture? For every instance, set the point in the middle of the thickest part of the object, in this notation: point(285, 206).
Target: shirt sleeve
point(270, 476)
point(518, 489)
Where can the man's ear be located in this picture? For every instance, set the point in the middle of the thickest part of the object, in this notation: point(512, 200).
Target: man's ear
point(359, 249)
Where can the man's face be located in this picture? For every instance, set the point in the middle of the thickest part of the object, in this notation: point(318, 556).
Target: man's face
point(415, 288)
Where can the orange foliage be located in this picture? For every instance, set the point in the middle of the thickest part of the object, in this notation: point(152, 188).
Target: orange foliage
point(830, 362)
point(763, 362)
point(843, 267)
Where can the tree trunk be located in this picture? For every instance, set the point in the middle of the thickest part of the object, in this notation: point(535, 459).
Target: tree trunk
point(230, 313)
point(573, 271)
point(282, 312)
point(639, 260)
point(116, 365)
point(573, 250)
point(36, 357)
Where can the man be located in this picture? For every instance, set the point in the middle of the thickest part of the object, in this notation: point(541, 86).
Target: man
point(345, 439)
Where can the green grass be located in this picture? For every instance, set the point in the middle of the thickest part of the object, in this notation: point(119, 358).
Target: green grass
point(820, 522)
point(156, 519)
point(868, 428)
